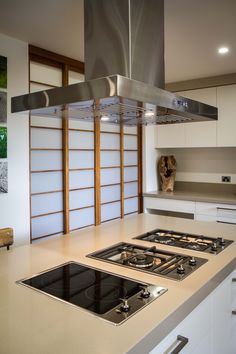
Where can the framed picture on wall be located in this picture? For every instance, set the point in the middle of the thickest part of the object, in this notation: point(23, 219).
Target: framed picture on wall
point(3, 177)
point(3, 142)
point(3, 72)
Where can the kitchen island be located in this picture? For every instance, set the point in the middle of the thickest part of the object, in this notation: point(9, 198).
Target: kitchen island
point(33, 323)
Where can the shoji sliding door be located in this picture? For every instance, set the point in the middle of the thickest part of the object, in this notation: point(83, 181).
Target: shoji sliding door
point(45, 160)
point(110, 172)
point(81, 169)
point(82, 173)
point(131, 187)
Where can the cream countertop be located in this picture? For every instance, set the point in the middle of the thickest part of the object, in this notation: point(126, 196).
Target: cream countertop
point(224, 198)
point(34, 323)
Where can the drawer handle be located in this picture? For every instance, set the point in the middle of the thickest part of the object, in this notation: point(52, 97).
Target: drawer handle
point(231, 209)
point(226, 222)
point(183, 341)
point(234, 312)
point(234, 280)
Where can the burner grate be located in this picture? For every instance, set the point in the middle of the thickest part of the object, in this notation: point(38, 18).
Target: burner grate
point(151, 260)
point(189, 241)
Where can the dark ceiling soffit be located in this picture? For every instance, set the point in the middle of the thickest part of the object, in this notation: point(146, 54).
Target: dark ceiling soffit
point(58, 60)
point(204, 82)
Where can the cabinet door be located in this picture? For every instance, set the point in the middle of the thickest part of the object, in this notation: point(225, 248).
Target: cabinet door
point(201, 134)
point(222, 318)
point(169, 136)
point(196, 327)
point(233, 308)
point(226, 96)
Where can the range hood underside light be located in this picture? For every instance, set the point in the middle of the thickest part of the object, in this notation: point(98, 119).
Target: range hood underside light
point(128, 101)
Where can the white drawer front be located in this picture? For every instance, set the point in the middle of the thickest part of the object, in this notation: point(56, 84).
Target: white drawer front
point(226, 211)
point(206, 208)
point(202, 217)
point(194, 327)
point(169, 204)
point(218, 210)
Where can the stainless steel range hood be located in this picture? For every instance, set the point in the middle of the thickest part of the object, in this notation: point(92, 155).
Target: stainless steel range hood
point(124, 71)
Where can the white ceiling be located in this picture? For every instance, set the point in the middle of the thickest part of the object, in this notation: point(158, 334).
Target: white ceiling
point(194, 29)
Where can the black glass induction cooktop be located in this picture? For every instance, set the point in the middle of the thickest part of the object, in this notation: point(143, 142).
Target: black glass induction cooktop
point(109, 296)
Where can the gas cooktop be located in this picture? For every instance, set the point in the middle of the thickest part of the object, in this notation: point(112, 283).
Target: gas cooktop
point(151, 260)
point(186, 240)
point(109, 296)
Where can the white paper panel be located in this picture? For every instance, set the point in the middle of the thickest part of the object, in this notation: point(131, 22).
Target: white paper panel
point(80, 124)
point(46, 74)
point(110, 158)
point(110, 193)
point(110, 211)
point(38, 87)
point(130, 142)
point(46, 181)
point(130, 130)
point(130, 189)
point(130, 158)
point(46, 138)
point(109, 127)
point(109, 176)
point(46, 122)
point(130, 174)
point(81, 198)
point(81, 159)
point(81, 140)
point(75, 77)
point(81, 179)
point(45, 225)
point(130, 205)
point(46, 160)
point(109, 141)
point(46, 203)
point(81, 218)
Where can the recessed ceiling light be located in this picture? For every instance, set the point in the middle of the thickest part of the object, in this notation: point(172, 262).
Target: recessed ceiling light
point(104, 118)
point(149, 114)
point(223, 50)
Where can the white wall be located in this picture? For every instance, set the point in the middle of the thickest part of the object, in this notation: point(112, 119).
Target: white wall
point(204, 164)
point(14, 206)
point(150, 158)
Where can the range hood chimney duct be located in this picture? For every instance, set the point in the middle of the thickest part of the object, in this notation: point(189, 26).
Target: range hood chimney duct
point(124, 71)
point(125, 37)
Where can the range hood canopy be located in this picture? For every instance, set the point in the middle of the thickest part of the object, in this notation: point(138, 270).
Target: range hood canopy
point(124, 71)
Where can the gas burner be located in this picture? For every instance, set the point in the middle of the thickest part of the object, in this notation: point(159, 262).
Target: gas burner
point(162, 234)
point(185, 240)
point(150, 260)
point(194, 246)
point(141, 261)
point(165, 240)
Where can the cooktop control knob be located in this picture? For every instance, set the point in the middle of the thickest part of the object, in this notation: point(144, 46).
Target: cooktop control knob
point(145, 292)
point(192, 261)
point(222, 241)
point(124, 306)
point(181, 269)
point(214, 246)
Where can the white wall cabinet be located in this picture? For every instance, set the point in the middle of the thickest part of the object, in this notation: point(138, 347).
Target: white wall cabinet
point(210, 328)
point(169, 136)
point(199, 134)
point(226, 125)
point(204, 134)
